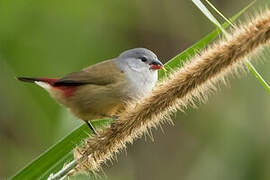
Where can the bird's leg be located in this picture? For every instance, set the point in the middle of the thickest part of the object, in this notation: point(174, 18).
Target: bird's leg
point(91, 127)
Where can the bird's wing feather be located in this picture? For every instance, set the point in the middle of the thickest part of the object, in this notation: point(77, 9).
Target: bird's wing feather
point(103, 73)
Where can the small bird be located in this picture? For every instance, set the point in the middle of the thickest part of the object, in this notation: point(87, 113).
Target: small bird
point(102, 90)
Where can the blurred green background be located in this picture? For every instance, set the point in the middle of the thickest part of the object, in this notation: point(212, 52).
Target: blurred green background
point(227, 138)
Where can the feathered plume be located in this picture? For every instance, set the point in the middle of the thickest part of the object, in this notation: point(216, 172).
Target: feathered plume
point(195, 80)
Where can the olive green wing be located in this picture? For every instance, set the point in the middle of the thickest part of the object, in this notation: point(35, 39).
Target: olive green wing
point(103, 73)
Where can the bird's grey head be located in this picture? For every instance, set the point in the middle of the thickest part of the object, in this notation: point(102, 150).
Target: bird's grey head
point(140, 65)
point(139, 59)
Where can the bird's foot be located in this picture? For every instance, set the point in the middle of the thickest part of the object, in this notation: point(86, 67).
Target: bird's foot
point(113, 125)
point(114, 117)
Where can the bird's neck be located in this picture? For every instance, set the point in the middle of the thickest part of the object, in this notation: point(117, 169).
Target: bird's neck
point(140, 81)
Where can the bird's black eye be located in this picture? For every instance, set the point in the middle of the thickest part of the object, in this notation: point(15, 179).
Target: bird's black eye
point(143, 59)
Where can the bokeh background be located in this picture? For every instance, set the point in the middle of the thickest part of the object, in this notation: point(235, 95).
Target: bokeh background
point(227, 138)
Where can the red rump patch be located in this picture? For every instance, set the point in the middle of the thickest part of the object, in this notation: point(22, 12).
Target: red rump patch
point(67, 91)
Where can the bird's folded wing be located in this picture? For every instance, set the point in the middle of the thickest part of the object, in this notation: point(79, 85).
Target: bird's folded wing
point(103, 73)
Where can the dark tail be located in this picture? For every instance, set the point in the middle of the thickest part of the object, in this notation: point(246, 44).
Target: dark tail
point(50, 81)
point(27, 79)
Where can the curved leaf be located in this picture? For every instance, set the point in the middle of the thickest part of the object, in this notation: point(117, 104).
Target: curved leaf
point(53, 159)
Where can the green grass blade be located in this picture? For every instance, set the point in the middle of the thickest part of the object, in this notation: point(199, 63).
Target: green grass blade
point(209, 15)
point(53, 159)
point(224, 17)
point(258, 76)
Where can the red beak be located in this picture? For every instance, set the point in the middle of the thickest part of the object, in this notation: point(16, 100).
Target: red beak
point(156, 64)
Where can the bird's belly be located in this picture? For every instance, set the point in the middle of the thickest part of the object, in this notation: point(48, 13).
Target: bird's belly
point(93, 102)
point(95, 112)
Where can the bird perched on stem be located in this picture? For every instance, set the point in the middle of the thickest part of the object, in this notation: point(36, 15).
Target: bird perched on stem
point(103, 89)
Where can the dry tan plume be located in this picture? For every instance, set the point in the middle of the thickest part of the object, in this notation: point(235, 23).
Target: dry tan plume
point(194, 81)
